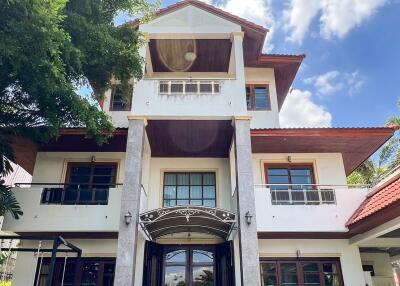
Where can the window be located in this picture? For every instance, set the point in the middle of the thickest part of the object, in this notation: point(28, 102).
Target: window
point(295, 184)
point(292, 174)
point(369, 268)
point(196, 188)
point(182, 87)
point(301, 272)
point(91, 272)
point(120, 102)
point(257, 97)
point(86, 183)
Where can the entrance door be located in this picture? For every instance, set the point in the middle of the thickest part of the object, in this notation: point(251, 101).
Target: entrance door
point(189, 266)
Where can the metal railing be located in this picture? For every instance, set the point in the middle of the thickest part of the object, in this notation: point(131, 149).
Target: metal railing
point(74, 194)
point(304, 194)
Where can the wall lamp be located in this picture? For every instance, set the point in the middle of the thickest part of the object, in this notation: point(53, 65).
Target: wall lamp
point(128, 218)
point(248, 217)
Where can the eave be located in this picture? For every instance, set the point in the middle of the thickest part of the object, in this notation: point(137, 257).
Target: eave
point(355, 144)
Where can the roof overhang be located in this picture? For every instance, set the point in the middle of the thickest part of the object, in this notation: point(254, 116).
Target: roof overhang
point(192, 219)
point(355, 144)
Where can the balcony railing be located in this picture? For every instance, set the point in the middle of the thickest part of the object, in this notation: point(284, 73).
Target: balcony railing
point(305, 194)
point(75, 194)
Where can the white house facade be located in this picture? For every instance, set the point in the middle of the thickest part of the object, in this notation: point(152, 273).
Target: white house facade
point(199, 185)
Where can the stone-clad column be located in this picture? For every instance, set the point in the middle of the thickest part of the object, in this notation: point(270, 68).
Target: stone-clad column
point(249, 255)
point(130, 204)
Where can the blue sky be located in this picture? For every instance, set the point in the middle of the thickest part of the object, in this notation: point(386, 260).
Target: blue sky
point(351, 72)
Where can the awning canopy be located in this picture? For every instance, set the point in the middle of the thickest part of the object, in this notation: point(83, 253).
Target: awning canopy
point(198, 219)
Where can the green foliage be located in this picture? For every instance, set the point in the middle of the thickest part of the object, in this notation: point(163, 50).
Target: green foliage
point(395, 120)
point(48, 49)
point(8, 203)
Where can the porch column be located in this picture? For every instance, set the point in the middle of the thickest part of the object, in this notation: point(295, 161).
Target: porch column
point(248, 241)
point(130, 203)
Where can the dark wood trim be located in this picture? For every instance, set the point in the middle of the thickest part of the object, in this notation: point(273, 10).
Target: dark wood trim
point(290, 166)
point(128, 106)
point(325, 132)
point(74, 235)
point(252, 88)
point(299, 261)
point(303, 235)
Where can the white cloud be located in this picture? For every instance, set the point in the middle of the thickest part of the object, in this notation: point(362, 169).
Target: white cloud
point(298, 17)
point(336, 17)
point(300, 111)
point(334, 81)
point(256, 11)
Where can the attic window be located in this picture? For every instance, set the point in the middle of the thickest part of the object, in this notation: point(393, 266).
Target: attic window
point(189, 87)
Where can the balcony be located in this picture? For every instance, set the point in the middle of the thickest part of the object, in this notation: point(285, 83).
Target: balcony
point(59, 208)
point(306, 208)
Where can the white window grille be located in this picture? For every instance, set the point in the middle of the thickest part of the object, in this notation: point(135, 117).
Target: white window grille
point(189, 87)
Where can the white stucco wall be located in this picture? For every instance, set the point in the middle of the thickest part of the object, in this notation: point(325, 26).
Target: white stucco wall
point(50, 167)
point(264, 118)
point(382, 268)
point(160, 165)
point(329, 170)
point(349, 254)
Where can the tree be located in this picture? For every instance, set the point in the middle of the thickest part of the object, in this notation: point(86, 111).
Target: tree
point(48, 49)
point(371, 171)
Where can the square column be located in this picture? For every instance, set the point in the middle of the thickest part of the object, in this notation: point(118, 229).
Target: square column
point(130, 203)
point(248, 240)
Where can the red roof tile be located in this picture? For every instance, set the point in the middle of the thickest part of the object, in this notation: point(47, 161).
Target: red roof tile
point(381, 198)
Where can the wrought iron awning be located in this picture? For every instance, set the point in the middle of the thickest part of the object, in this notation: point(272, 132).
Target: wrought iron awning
point(198, 219)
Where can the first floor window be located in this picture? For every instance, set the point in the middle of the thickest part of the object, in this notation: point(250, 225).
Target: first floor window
point(301, 272)
point(90, 272)
point(192, 188)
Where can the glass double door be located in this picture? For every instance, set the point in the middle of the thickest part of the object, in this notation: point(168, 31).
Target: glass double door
point(189, 266)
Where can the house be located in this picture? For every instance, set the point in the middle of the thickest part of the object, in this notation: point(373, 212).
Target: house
point(200, 185)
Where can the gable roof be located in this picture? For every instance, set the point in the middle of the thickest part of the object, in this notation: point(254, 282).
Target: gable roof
point(382, 204)
point(285, 66)
point(209, 8)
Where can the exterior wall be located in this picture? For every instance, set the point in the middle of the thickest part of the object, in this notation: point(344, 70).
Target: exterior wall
point(349, 255)
point(328, 170)
point(50, 167)
point(328, 167)
point(19, 175)
point(261, 118)
point(382, 268)
point(41, 217)
point(159, 165)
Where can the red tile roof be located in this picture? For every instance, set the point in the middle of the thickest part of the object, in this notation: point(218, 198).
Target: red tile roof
point(383, 197)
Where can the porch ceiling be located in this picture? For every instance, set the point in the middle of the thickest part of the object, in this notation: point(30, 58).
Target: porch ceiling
point(190, 138)
point(196, 219)
point(169, 55)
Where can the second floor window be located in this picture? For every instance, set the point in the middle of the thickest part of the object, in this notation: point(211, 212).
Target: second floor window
point(196, 188)
point(120, 102)
point(289, 177)
point(257, 97)
point(85, 183)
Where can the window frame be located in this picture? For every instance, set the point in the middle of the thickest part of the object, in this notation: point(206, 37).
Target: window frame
point(163, 185)
point(252, 95)
point(299, 268)
point(58, 195)
point(59, 266)
point(290, 166)
point(128, 105)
